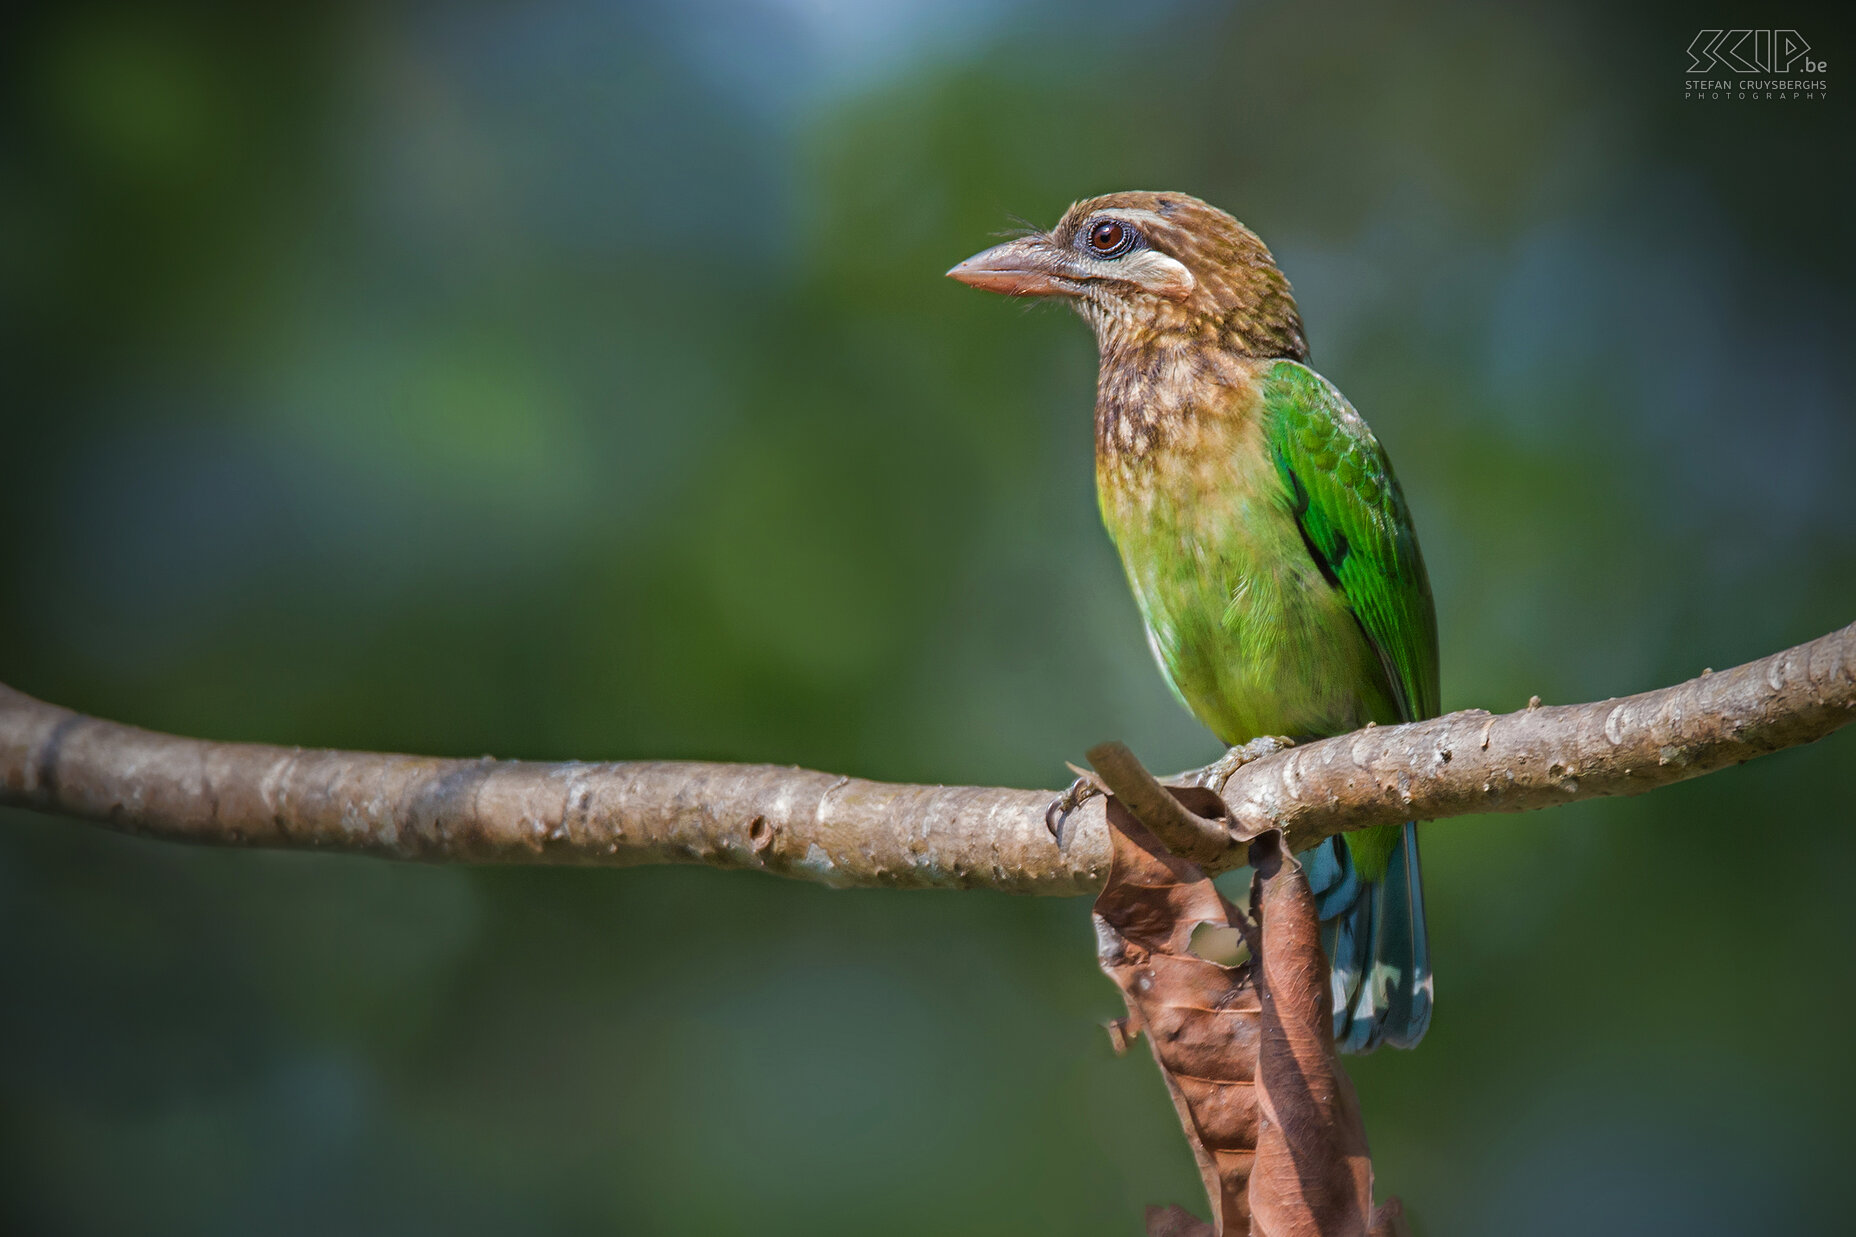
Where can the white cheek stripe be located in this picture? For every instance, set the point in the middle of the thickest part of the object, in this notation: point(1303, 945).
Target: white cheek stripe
point(1158, 274)
point(1153, 271)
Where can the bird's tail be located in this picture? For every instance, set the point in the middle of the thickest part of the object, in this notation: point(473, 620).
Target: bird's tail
point(1373, 931)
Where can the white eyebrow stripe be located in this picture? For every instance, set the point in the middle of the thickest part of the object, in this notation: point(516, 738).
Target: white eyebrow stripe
point(1130, 215)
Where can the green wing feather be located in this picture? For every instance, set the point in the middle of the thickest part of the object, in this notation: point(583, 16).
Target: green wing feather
point(1354, 519)
point(1356, 525)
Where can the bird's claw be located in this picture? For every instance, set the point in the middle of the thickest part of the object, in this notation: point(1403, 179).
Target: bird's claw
point(1086, 787)
point(1214, 775)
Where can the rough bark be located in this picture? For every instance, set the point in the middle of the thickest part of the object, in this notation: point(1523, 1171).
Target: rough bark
point(848, 831)
point(1543, 755)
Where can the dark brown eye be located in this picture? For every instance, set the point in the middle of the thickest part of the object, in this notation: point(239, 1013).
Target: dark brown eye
point(1109, 238)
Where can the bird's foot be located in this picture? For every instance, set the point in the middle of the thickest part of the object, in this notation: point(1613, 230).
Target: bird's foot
point(1086, 787)
point(1214, 775)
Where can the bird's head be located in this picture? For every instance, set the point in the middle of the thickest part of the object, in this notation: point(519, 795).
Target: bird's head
point(1144, 265)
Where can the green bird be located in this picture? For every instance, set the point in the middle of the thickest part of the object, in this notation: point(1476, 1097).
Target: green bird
point(1268, 545)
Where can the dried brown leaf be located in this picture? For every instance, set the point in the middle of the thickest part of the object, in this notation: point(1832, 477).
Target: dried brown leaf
point(1313, 1175)
point(1246, 1050)
point(1189, 820)
point(1389, 1220)
point(1201, 1018)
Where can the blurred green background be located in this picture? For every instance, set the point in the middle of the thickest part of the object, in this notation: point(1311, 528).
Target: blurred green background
point(578, 380)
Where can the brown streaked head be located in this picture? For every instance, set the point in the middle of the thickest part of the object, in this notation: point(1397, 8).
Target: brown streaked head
point(1139, 265)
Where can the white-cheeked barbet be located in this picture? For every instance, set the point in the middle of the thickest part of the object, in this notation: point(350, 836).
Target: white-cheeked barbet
point(1267, 543)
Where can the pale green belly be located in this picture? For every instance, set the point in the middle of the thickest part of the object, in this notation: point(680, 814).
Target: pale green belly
point(1252, 637)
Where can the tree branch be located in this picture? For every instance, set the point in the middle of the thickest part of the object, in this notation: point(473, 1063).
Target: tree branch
point(847, 831)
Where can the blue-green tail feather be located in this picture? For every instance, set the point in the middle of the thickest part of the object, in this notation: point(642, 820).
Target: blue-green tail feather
point(1373, 932)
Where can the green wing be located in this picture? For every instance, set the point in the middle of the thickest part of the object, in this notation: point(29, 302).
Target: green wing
point(1357, 527)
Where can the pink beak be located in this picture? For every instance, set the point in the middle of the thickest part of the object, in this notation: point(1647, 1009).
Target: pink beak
point(1028, 266)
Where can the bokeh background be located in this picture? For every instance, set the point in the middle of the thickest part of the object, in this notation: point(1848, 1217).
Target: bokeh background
point(575, 379)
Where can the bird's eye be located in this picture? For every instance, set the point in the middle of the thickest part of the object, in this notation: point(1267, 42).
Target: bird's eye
point(1111, 239)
